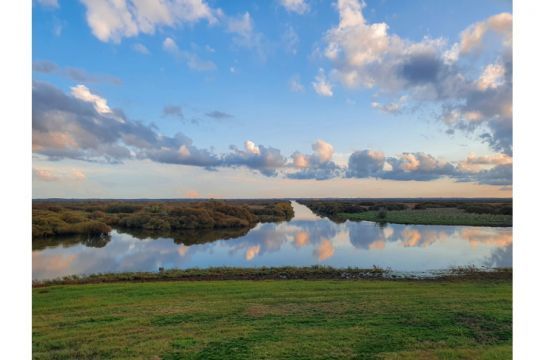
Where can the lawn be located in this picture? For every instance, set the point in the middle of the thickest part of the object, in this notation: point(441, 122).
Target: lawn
point(432, 216)
point(275, 319)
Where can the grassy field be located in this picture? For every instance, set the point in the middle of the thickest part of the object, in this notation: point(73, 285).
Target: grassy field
point(275, 319)
point(432, 216)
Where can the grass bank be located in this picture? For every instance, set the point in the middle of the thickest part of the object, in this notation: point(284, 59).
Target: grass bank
point(275, 319)
point(431, 216)
point(279, 273)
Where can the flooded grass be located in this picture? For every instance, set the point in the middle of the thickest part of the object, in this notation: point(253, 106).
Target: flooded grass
point(274, 319)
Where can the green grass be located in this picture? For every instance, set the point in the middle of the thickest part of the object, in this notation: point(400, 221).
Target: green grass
point(433, 216)
point(274, 319)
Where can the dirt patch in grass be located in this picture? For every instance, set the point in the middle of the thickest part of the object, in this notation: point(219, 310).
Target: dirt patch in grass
point(485, 329)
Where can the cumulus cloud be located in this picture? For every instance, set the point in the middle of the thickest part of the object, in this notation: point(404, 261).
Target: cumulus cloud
point(266, 160)
point(365, 163)
point(407, 166)
point(472, 38)
point(81, 92)
point(496, 169)
point(321, 85)
point(318, 165)
point(296, 6)
point(492, 77)
point(251, 147)
point(368, 55)
point(499, 175)
point(110, 21)
point(72, 73)
point(323, 150)
point(474, 163)
point(81, 125)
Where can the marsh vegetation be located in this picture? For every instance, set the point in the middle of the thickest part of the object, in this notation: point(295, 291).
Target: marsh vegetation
point(471, 213)
point(98, 217)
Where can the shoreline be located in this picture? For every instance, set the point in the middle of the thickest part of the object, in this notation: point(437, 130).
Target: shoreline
point(359, 217)
point(282, 274)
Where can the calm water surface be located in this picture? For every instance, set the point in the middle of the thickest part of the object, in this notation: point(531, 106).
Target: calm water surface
point(305, 240)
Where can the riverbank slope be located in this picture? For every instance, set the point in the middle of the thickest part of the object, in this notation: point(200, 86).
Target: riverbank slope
point(301, 319)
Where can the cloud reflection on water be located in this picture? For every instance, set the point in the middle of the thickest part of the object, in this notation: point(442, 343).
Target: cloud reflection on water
point(303, 241)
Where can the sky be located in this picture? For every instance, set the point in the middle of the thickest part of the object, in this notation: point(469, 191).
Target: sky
point(277, 98)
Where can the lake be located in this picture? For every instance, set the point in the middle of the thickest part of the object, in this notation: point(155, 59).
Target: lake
point(305, 240)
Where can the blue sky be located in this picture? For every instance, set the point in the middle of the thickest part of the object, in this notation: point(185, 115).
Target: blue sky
point(407, 91)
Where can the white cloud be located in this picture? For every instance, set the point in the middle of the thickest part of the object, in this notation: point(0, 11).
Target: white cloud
point(475, 163)
point(245, 35)
point(251, 147)
point(44, 174)
point(319, 165)
point(184, 151)
point(300, 161)
point(492, 77)
point(242, 25)
point(391, 107)
point(141, 49)
point(191, 59)
point(81, 92)
point(323, 150)
point(290, 40)
point(79, 127)
point(354, 41)
point(169, 45)
point(472, 38)
point(368, 55)
point(50, 175)
point(112, 20)
point(321, 84)
point(409, 162)
point(295, 85)
point(297, 6)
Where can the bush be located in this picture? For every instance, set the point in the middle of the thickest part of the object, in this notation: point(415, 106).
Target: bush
point(97, 217)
